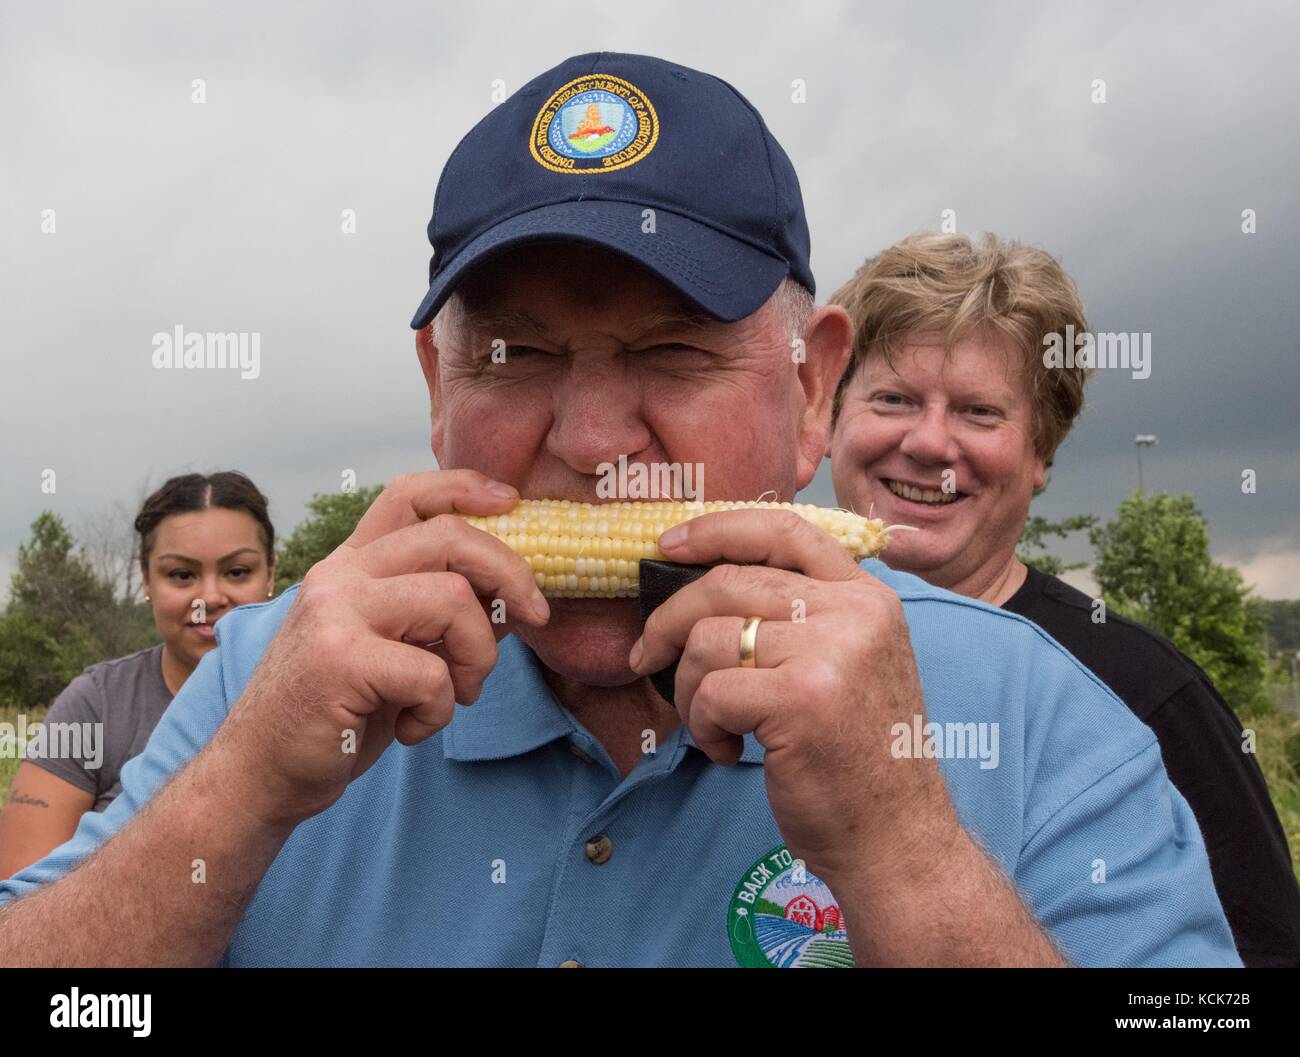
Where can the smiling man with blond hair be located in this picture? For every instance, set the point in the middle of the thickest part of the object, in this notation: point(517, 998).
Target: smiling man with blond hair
point(949, 415)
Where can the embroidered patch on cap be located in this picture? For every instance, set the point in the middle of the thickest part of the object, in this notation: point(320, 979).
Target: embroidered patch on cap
point(782, 916)
point(596, 123)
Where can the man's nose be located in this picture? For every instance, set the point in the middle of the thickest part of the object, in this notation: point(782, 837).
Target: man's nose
point(597, 416)
point(930, 440)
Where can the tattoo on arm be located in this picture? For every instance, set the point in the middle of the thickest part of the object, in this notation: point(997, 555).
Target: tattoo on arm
point(15, 797)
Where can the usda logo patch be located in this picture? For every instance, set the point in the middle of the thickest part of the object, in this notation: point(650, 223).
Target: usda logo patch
point(594, 124)
point(783, 917)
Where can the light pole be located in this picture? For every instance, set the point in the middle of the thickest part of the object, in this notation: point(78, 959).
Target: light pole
point(1143, 440)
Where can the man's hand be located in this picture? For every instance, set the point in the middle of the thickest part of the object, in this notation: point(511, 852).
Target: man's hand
point(347, 672)
point(834, 670)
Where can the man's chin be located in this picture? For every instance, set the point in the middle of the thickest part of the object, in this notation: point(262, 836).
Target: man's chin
point(588, 639)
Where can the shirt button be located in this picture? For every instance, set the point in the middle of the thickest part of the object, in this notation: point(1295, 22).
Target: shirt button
point(584, 757)
point(599, 849)
point(571, 964)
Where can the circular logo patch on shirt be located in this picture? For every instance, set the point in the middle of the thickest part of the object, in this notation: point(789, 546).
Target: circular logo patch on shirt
point(596, 123)
point(784, 917)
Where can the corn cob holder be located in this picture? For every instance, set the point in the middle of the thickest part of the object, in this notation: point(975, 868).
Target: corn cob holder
point(593, 550)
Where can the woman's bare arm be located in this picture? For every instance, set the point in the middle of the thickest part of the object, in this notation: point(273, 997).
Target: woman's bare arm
point(40, 813)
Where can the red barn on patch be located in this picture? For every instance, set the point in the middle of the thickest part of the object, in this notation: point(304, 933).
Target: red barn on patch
point(804, 910)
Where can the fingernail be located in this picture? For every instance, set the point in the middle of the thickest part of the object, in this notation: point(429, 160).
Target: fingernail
point(503, 490)
point(674, 537)
point(540, 606)
point(635, 657)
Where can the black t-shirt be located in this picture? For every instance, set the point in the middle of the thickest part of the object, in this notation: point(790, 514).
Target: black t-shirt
point(1201, 741)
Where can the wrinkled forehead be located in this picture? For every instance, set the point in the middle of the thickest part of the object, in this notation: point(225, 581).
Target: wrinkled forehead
point(553, 277)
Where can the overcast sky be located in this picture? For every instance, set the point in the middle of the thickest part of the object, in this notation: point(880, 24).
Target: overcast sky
point(225, 216)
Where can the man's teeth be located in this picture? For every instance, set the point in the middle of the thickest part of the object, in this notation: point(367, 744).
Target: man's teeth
point(920, 495)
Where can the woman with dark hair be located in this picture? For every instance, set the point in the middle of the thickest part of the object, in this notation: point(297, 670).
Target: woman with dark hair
point(206, 546)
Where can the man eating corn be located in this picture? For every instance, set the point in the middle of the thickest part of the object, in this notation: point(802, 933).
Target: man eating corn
point(854, 767)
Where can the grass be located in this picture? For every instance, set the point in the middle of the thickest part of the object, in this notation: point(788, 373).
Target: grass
point(1277, 748)
point(8, 760)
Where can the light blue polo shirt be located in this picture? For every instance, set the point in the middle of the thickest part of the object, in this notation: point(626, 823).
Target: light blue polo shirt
point(511, 839)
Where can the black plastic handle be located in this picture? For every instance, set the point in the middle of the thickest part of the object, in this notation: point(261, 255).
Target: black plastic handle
point(659, 581)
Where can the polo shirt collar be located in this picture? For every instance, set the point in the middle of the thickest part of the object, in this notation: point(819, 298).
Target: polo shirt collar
point(516, 713)
point(751, 753)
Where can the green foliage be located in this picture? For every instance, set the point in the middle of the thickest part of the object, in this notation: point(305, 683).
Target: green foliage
point(61, 617)
point(334, 516)
point(35, 664)
point(1154, 566)
point(1032, 550)
point(1283, 626)
point(51, 581)
point(1277, 750)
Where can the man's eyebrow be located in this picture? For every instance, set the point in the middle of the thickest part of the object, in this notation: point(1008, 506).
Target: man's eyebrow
point(673, 319)
point(488, 320)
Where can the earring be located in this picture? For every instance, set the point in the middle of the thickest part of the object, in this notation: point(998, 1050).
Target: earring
point(270, 593)
point(146, 598)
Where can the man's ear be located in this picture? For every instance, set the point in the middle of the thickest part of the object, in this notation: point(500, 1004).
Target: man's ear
point(828, 343)
point(427, 351)
point(1040, 473)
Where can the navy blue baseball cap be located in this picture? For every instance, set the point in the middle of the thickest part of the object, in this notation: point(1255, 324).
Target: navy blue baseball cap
point(665, 165)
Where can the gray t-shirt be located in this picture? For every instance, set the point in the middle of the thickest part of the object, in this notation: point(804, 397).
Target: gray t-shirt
point(121, 701)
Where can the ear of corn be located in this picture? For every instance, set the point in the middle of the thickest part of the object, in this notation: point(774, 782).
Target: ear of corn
point(591, 550)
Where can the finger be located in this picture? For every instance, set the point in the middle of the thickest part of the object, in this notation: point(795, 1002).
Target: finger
point(447, 544)
point(414, 683)
point(410, 498)
point(725, 590)
point(428, 607)
point(733, 702)
point(780, 538)
point(714, 643)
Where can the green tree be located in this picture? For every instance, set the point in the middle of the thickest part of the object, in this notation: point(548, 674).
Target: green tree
point(1154, 566)
point(48, 632)
point(1283, 626)
point(51, 581)
point(1032, 550)
point(334, 516)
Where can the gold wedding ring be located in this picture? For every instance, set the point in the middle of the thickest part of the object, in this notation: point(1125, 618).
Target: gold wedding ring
point(748, 640)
